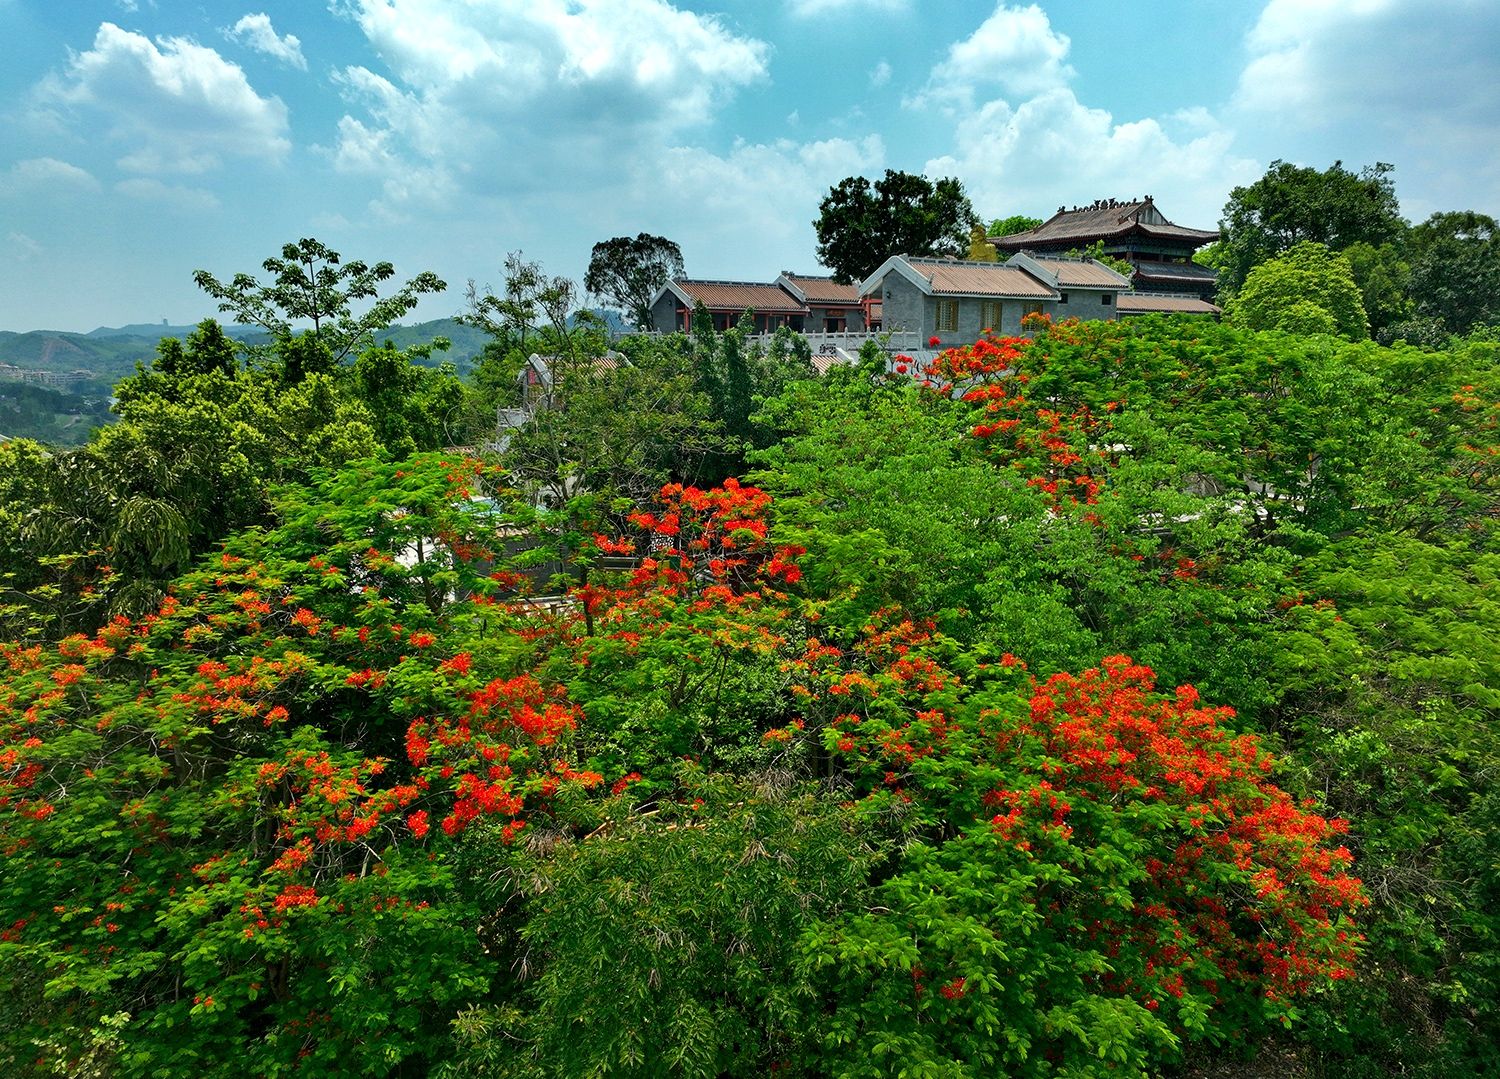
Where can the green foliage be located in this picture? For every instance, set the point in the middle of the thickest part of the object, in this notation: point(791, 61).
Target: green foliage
point(1008, 226)
point(311, 285)
point(191, 456)
point(1294, 204)
point(1383, 278)
point(200, 438)
point(1455, 274)
point(1307, 290)
point(618, 429)
point(532, 312)
point(311, 758)
point(698, 904)
point(1389, 676)
point(860, 224)
point(628, 273)
point(52, 416)
point(1043, 908)
point(190, 764)
point(1096, 252)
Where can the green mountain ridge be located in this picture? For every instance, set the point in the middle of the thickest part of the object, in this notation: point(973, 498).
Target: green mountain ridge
point(108, 353)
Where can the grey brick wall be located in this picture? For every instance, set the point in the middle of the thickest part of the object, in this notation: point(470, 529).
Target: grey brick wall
point(1086, 304)
point(903, 307)
point(664, 314)
point(907, 308)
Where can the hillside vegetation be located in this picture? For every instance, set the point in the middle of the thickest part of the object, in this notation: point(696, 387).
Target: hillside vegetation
point(1115, 701)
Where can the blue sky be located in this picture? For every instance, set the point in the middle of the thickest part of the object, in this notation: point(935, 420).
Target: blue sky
point(148, 138)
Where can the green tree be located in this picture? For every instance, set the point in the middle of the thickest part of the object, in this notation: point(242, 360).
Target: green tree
point(1293, 204)
point(628, 273)
point(202, 436)
point(1455, 274)
point(699, 906)
point(1009, 226)
point(860, 224)
point(1383, 277)
point(312, 285)
point(1309, 289)
point(535, 311)
point(618, 429)
point(1387, 658)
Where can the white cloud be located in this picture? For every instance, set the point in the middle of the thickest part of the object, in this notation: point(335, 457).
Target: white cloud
point(1413, 83)
point(175, 105)
point(1053, 149)
point(624, 57)
point(806, 9)
point(880, 74)
point(47, 174)
point(173, 196)
point(256, 32)
point(22, 247)
point(494, 98)
point(750, 210)
point(1024, 143)
point(1015, 51)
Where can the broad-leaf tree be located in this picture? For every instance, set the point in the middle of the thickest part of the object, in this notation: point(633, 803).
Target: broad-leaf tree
point(861, 224)
point(1009, 226)
point(1307, 290)
point(1292, 204)
point(311, 287)
point(1455, 274)
point(628, 273)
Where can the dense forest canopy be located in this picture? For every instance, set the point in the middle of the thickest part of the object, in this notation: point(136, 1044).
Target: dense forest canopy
point(1114, 700)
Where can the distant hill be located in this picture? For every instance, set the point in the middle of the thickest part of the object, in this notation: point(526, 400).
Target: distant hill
point(468, 342)
point(111, 352)
point(615, 321)
point(50, 416)
point(154, 332)
point(53, 350)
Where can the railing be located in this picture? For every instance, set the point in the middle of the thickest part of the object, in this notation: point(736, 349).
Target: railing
point(825, 343)
point(850, 341)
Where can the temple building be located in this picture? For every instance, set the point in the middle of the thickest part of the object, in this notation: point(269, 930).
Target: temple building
point(771, 306)
point(1160, 253)
point(947, 302)
point(806, 303)
point(831, 307)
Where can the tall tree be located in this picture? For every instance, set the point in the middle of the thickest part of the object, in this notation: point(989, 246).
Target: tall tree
point(1307, 290)
point(628, 273)
point(1382, 276)
point(312, 285)
point(1293, 203)
point(533, 304)
point(861, 224)
point(1455, 275)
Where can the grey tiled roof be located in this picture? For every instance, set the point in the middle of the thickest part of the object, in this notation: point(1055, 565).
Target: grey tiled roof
point(741, 296)
point(980, 279)
point(1145, 303)
point(1079, 273)
point(1176, 271)
point(1101, 221)
point(823, 290)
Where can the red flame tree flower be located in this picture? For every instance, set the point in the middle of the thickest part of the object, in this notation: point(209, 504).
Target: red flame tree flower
point(1092, 866)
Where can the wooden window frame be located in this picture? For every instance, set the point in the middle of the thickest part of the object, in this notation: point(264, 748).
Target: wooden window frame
point(945, 318)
